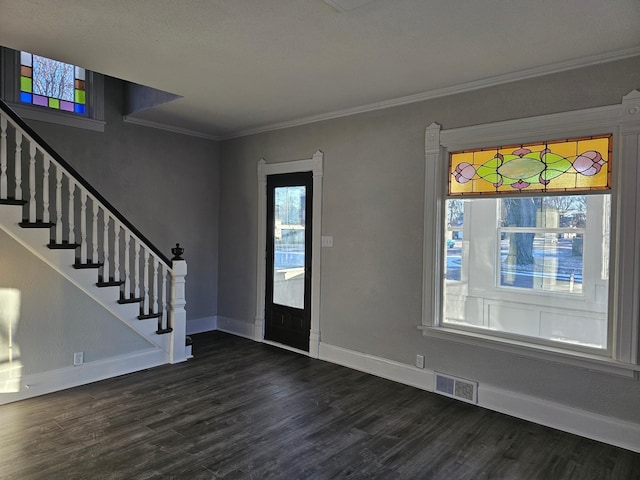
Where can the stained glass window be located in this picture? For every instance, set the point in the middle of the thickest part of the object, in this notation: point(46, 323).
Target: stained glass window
point(569, 165)
point(49, 83)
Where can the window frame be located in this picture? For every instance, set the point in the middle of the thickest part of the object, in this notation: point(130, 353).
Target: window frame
point(495, 295)
point(623, 122)
point(93, 118)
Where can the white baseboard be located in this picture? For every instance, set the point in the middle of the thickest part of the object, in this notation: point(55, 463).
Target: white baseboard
point(561, 417)
point(200, 325)
point(55, 380)
point(381, 367)
point(236, 327)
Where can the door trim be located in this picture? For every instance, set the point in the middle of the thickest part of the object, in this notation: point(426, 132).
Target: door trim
point(315, 165)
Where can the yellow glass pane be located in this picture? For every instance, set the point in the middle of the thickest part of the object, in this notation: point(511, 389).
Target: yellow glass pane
point(573, 165)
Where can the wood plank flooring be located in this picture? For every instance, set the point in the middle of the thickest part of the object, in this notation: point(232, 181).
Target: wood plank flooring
point(245, 410)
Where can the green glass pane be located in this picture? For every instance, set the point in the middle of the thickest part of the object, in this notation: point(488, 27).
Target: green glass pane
point(25, 84)
point(54, 103)
point(80, 94)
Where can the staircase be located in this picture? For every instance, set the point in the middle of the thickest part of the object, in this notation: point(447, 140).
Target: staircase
point(60, 218)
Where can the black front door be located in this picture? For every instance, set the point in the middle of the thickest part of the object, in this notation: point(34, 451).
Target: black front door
point(288, 282)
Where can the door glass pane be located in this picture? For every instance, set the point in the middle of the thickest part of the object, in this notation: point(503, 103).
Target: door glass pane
point(289, 241)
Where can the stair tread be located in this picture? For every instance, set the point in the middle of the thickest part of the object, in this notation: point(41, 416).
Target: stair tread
point(130, 300)
point(12, 201)
point(62, 246)
point(80, 266)
point(149, 315)
point(36, 224)
point(110, 283)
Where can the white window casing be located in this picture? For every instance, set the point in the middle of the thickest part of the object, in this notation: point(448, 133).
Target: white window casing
point(622, 120)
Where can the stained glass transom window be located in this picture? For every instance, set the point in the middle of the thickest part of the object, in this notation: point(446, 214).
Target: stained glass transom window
point(569, 165)
point(49, 83)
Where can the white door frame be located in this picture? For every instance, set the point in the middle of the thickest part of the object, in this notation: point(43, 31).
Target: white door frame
point(315, 165)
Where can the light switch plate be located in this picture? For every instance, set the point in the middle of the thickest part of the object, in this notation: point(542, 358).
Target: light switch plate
point(327, 242)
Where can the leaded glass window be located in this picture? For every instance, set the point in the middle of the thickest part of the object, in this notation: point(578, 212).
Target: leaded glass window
point(553, 166)
point(49, 83)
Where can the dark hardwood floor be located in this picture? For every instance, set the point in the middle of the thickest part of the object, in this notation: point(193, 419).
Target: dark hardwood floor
point(245, 410)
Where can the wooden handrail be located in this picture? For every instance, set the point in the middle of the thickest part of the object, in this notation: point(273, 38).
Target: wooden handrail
point(81, 181)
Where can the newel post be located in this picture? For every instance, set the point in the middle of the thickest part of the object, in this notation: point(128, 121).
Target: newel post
point(178, 352)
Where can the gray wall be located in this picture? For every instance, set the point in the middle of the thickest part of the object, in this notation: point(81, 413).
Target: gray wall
point(373, 207)
point(55, 318)
point(165, 183)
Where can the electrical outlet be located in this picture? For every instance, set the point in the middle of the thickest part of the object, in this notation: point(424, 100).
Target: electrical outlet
point(420, 361)
point(78, 358)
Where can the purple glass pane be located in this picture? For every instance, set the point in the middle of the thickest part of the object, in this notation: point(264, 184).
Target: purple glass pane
point(68, 106)
point(40, 100)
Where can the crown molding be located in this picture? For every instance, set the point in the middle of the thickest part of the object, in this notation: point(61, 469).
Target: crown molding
point(446, 91)
point(169, 128)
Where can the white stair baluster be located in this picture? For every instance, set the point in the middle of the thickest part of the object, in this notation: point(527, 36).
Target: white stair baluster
point(94, 232)
point(127, 264)
point(136, 270)
point(72, 210)
point(116, 251)
point(105, 247)
point(156, 271)
point(146, 305)
point(18, 171)
point(165, 320)
point(58, 205)
point(3, 158)
point(83, 226)
point(32, 182)
point(45, 189)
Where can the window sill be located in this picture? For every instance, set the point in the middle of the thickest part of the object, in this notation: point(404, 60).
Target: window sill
point(60, 118)
point(539, 352)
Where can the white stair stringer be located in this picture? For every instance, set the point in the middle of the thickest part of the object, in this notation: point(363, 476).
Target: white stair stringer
point(36, 239)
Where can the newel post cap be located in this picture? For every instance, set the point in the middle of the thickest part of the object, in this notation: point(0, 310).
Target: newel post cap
point(177, 252)
point(178, 263)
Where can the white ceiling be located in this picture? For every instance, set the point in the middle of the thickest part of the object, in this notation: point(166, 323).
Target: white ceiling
point(243, 66)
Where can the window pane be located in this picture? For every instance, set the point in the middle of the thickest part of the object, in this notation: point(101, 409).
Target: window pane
point(530, 266)
point(52, 78)
point(289, 246)
point(550, 259)
point(542, 261)
point(453, 244)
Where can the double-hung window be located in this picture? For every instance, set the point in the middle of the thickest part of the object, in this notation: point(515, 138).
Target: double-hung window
point(535, 256)
point(535, 245)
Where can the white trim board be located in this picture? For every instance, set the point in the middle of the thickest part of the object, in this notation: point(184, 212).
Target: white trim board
point(314, 165)
point(169, 128)
point(561, 417)
point(63, 378)
point(200, 325)
point(237, 327)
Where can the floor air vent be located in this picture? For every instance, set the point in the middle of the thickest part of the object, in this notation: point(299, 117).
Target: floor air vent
point(457, 388)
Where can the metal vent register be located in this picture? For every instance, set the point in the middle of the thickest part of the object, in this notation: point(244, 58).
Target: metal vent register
point(459, 388)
